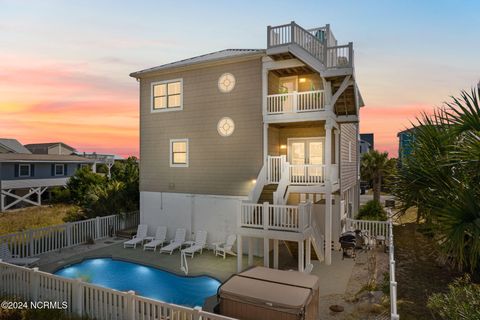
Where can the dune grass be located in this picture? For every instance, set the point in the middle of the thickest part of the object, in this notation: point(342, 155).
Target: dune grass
point(32, 217)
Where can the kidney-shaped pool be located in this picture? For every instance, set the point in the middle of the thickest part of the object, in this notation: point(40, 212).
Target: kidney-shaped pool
point(145, 281)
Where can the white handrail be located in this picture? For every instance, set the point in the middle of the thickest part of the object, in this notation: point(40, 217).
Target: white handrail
point(296, 102)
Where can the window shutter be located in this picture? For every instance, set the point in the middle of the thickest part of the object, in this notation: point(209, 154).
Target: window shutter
point(16, 170)
point(64, 169)
point(53, 169)
point(32, 170)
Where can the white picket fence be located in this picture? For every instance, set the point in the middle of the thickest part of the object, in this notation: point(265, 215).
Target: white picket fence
point(381, 229)
point(85, 299)
point(53, 238)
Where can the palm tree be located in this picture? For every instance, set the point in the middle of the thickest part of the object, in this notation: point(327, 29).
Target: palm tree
point(442, 178)
point(374, 167)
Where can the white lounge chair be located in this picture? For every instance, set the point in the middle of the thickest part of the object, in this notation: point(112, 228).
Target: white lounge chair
point(222, 249)
point(159, 239)
point(8, 257)
point(176, 243)
point(138, 238)
point(198, 245)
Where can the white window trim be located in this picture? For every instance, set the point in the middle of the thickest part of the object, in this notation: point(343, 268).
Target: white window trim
point(55, 170)
point(179, 165)
point(20, 171)
point(152, 109)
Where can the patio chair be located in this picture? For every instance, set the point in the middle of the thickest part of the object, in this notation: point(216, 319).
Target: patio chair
point(138, 238)
point(198, 245)
point(159, 239)
point(8, 257)
point(176, 243)
point(222, 249)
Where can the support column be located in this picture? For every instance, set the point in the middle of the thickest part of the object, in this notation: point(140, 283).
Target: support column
point(328, 192)
point(265, 143)
point(2, 201)
point(266, 252)
point(308, 259)
point(328, 227)
point(275, 253)
point(239, 253)
point(250, 251)
point(301, 256)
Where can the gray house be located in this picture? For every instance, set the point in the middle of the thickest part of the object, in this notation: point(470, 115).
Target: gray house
point(24, 176)
point(261, 143)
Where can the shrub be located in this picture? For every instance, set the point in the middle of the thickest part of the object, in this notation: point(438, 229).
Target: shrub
point(372, 210)
point(60, 195)
point(75, 214)
point(461, 302)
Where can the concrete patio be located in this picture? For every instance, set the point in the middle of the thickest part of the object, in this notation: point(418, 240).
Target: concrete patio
point(333, 279)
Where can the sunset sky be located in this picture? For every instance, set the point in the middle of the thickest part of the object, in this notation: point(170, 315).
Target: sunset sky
point(64, 65)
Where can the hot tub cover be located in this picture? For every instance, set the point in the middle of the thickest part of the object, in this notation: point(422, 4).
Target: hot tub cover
point(289, 291)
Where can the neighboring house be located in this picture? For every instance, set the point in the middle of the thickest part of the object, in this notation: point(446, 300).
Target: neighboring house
point(405, 141)
point(12, 146)
point(24, 177)
point(101, 158)
point(367, 142)
point(236, 141)
point(50, 148)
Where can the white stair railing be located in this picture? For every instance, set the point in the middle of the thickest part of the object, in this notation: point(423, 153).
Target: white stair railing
point(259, 184)
point(275, 166)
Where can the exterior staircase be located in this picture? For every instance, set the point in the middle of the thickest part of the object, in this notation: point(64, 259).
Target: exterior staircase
point(267, 193)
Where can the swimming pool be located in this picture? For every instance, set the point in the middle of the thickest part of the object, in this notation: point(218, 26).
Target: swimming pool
point(145, 281)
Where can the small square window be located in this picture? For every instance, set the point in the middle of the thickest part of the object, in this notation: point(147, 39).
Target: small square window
point(24, 170)
point(179, 153)
point(167, 95)
point(59, 170)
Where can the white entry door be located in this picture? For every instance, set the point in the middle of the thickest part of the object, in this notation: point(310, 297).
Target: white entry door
point(307, 157)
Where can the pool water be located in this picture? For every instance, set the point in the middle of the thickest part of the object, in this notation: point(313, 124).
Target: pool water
point(145, 281)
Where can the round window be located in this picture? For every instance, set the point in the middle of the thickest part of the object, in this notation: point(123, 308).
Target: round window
point(225, 127)
point(226, 82)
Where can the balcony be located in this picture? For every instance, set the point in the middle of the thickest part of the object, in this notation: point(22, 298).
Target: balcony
point(299, 174)
point(275, 217)
point(295, 102)
point(316, 47)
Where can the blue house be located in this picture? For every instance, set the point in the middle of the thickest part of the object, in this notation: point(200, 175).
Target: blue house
point(24, 177)
point(405, 142)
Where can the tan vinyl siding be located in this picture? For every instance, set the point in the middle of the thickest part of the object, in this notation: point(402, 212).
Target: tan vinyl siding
point(217, 165)
point(348, 169)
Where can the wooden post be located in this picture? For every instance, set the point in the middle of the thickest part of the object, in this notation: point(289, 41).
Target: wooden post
point(308, 251)
point(98, 234)
point(34, 284)
point(301, 257)
point(239, 253)
point(266, 252)
point(77, 297)
point(130, 303)
point(265, 215)
point(275, 253)
point(250, 251)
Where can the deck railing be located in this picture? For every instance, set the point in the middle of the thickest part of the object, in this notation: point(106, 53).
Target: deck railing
point(306, 174)
point(296, 102)
point(340, 56)
point(85, 299)
point(275, 217)
point(323, 46)
point(42, 240)
point(292, 33)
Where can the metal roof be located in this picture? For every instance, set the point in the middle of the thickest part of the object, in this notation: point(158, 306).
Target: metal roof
point(13, 145)
point(47, 145)
point(22, 157)
point(217, 55)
